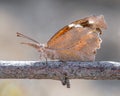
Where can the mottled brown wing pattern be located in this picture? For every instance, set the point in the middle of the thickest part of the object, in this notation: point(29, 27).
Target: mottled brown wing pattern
point(80, 48)
point(66, 40)
point(79, 43)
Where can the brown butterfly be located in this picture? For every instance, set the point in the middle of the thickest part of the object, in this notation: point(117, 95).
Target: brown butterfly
point(77, 41)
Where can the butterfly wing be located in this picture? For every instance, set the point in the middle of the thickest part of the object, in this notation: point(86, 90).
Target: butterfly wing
point(77, 44)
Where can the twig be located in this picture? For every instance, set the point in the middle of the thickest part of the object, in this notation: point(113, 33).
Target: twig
point(99, 70)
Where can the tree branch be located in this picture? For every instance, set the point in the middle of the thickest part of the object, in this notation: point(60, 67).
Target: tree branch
point(99, 70)
point(54, 70)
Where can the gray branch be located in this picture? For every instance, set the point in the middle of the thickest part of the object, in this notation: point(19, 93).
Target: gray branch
point(63, 71)
point(99, 70)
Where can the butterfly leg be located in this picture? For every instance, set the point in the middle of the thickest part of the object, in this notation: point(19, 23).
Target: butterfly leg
point(46, 61)
point(40, 55)
point(44, 56)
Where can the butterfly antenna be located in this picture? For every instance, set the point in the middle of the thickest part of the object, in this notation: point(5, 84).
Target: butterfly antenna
point(24, 36)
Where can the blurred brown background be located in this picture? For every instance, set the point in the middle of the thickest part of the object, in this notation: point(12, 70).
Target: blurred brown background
point(40, 19)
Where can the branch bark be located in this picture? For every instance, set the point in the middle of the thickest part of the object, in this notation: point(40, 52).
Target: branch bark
point(56, 70)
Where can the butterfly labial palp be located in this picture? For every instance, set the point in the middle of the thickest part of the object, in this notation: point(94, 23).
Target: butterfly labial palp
point(77, 41)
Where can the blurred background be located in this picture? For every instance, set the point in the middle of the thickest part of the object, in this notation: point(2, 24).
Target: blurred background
point(40, 19)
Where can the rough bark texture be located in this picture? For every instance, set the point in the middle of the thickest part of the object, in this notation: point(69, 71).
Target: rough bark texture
point(99, 70)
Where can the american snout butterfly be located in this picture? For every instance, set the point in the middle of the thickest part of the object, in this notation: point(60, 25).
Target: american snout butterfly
point(77, 41)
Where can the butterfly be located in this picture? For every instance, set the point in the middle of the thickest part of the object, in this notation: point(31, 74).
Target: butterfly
point(77, 41)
